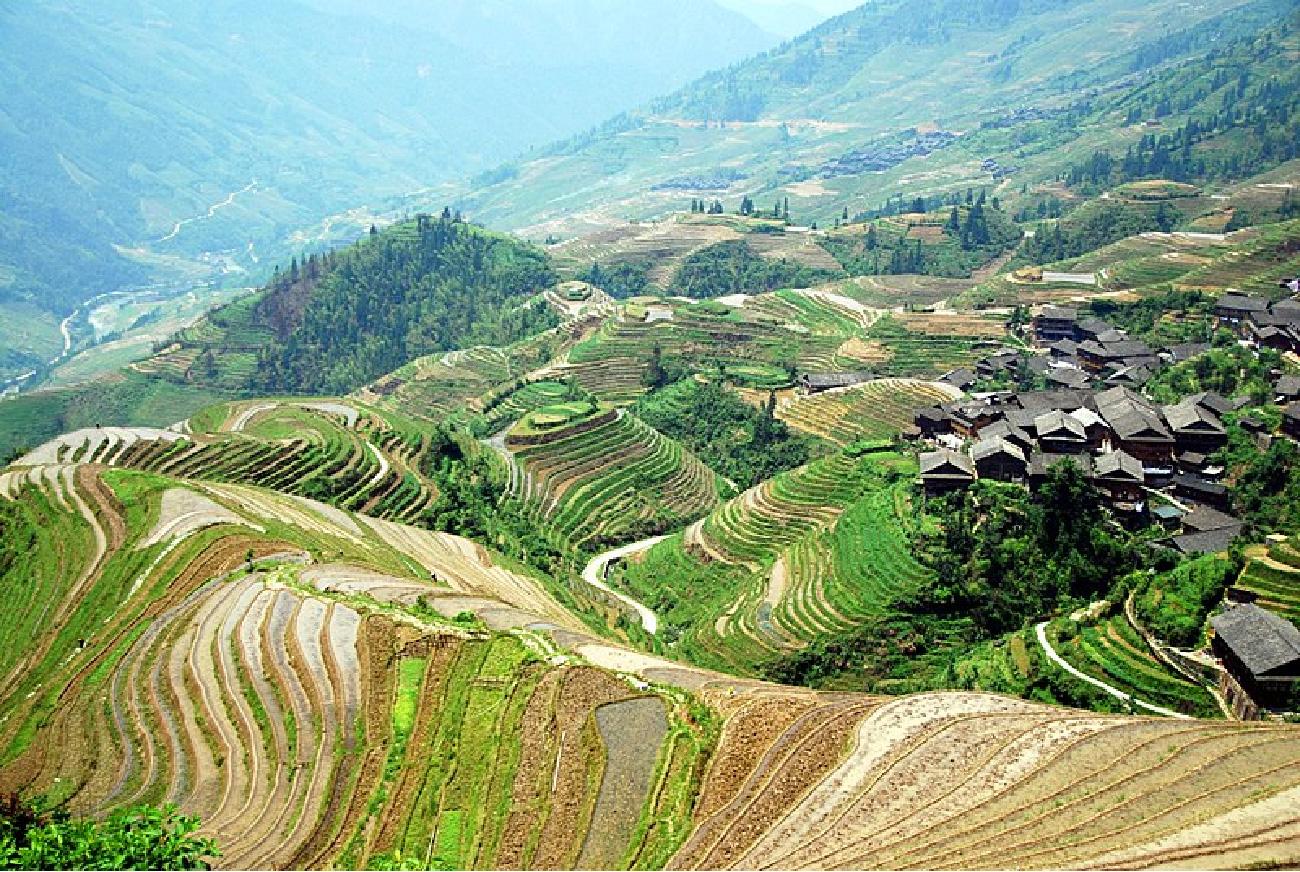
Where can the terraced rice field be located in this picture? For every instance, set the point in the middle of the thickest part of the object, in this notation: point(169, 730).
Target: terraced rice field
point(348, 456)
point(875, 410)
point(826, 582)
point(813, 552)
point(296, 677)
point(920, 354)
point(438, 386)
point(973, 781)
point(1114, 652)
point(803, 328)
point(1273, 575)
point(610, 478)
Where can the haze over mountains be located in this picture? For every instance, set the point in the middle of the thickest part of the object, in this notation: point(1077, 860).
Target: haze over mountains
point(829, 118)
point(882, 451)
point(192, 127)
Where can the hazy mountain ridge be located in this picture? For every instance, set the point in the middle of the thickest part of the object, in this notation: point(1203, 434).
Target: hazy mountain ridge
point(190, 128)
point(865, 79)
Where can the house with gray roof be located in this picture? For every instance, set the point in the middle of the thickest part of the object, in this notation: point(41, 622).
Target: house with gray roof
point(1121, 476)
point(1195, 427)
point(999, 459)
point(1061, 433)
point(1260, 652)
point(944, 471)
point(1135, 425)
point(815, 383)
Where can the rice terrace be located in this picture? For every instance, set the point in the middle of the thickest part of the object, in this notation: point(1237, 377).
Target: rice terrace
point(866, 436)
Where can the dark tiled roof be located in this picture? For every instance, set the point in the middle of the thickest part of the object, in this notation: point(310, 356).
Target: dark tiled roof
point(1189, 416)
point(1187, 350)
point(1197, 485)
point(1068, 376)
point(1203, 519)
point(835, 379)
point(1262, 641)
point(986, 448)
point(1288, 386)
point(1209, 542)
point(1059, 313)
point(946, 463)
point(1243, 303)
point(1119, 464)
point(1216, 403)
point(1045, 401)
point(1059, 425)
point(959, 377)
point(1130, 415)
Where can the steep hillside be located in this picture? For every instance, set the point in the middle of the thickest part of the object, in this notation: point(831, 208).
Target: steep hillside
point(891, 98)
point(326, 689)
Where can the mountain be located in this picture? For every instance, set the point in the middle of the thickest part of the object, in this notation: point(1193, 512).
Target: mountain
point(789, 18)
point(136, 131)
point(891, 98)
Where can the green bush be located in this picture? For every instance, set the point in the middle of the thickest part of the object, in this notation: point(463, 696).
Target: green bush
point(134, 838)
point(1173, 605)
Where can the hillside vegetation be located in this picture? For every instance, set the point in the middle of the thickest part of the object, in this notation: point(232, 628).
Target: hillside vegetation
point(339, 321)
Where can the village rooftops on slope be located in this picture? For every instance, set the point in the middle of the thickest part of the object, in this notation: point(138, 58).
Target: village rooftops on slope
point(986, 448)
point(1120, 465)
point(1186, 351)
point(1209, 542)
point(1235, 302)
point(1059, 425)
point(1216, 403)
point(946, 464)
point(1203, 519)
point(831, 380)
point(1190, 416)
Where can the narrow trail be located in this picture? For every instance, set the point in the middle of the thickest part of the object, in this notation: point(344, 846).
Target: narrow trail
point(1041, 632)
point(597, 570)
point(212, 210)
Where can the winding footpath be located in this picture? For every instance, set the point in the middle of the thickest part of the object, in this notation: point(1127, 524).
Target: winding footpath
point(1041, 632)
point(597, 569)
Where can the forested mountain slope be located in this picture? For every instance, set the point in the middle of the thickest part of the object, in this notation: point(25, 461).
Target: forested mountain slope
point(890, 98)
point(336, 321)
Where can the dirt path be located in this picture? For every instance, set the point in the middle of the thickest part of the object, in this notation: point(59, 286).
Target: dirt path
point(598, 569)
point(520, 481)
point(1041, 632)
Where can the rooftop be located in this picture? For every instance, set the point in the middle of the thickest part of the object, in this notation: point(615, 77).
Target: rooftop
point(1262, 641)
point(1119, 464)
point(946, 463)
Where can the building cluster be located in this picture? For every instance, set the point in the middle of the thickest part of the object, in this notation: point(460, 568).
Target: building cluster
point(1260, 322)
point(1086, 351)
point(1152, 462)
point(1129, 447)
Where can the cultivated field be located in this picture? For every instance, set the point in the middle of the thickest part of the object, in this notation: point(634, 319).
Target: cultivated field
point(327, 689)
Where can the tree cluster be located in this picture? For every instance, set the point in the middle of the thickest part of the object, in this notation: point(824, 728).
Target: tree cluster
point(733, 267)
point(414, 289)
point(744, 444)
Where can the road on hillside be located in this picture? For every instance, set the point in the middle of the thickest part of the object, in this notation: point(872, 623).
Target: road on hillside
point(596, 571)
point(1041, 631)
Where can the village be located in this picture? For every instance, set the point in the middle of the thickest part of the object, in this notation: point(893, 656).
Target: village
point(1156, 465)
